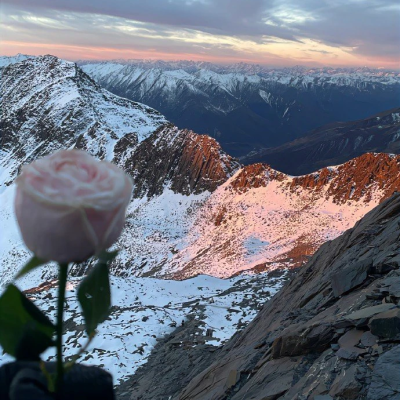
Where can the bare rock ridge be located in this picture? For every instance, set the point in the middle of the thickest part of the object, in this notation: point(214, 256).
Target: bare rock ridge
point(332, 331)
point(334, 144)
point(181, 160)
point(358, 178)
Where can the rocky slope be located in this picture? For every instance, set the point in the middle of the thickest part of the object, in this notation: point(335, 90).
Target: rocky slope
point(246, 107)
point(331, 333)
point(261, 219)
point(180, 160)
point(334, 144)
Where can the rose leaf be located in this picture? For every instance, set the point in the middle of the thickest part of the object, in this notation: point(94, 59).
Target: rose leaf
point(25, 332)
point(95, 297)
point(32, 264)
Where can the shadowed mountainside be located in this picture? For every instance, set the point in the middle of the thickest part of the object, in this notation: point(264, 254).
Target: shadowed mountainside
point(334, 144)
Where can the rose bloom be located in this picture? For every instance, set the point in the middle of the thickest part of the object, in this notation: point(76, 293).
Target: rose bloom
point(70, 206)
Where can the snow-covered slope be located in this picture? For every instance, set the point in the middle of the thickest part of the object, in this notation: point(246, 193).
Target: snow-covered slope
point(146, 309)
point(248, 106)
point(7, 60)
point(258, 220)
point(48, 103)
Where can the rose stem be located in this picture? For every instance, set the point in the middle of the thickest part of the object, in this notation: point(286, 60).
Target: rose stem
point(62, 283)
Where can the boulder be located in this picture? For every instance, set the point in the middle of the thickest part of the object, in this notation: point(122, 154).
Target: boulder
point(368, 312)
point(345, 385)
point(306, 340)
point(368, 339)
point(350, 353)
point(350, 338)
point(386, 324)
point(386, 377)
point(350, 277)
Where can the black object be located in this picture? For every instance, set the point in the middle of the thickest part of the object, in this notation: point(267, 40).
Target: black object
point(23, 380)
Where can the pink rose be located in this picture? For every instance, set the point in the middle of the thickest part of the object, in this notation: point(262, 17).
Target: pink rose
point(70, 206)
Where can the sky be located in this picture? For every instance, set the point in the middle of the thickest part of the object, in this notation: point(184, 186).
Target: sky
point(268, 32)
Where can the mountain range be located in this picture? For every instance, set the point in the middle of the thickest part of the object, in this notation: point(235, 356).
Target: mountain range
point(246, 107)
point(197, 210)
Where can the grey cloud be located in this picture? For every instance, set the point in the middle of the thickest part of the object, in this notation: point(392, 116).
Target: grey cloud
point(369, 28)
point(228, 17)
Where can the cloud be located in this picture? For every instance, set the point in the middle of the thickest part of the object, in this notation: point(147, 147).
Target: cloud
point(348, 31)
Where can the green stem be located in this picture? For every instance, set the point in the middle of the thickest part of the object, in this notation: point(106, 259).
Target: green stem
point(62, 283)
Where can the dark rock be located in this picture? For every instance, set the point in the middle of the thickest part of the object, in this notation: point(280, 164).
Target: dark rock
point(310, 340)
point(386, 377)
point(350, 338)
point(350, 352)
point(345, 385)
point(187, 162)
point(386, 324)
point(315, 379)
point(368, 312)
point(394, 289)
point(376, 349)
point(233, 378)
point(273, 384)
point(350, 277)
point(368, 339)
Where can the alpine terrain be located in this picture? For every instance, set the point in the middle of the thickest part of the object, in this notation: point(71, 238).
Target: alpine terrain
point(244, 106)
point(198, 216)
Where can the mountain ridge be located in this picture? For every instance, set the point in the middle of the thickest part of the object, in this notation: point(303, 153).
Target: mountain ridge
point(334, 143)
point(247, 108)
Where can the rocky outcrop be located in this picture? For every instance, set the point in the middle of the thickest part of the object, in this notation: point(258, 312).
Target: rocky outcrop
point(180, 160)
point(313, 342)
point(357, 178)
point(334, 144)
point(255, 176)
point(369, 175)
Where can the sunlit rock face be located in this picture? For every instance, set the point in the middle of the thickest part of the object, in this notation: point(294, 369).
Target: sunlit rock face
point(262, 219)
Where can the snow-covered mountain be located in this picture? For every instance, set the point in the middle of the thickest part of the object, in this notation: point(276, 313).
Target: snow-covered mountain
point(248, 106)
point(258, 220)
point(194, 211)
point(7, 60)
point(49, 104)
